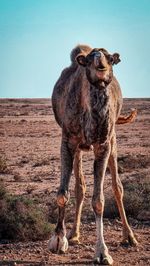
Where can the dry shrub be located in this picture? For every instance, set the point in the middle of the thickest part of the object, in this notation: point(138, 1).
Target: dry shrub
point(3, 164)
point(136, 199)
point(129, 162)
point(21, 218)
point(2, 191)
point(30, 189)
point(17, 177)
point(52, 208)
point(44, 161)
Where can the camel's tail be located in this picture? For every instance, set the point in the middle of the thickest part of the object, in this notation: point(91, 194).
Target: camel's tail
point(127, 119)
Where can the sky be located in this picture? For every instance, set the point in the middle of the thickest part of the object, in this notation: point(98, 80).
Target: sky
point(37, 36)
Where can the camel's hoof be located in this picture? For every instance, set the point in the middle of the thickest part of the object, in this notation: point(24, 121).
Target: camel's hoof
point(73, 238)
point(129, 240)
point(58, 244)
point(74, 241)
point(103, 259)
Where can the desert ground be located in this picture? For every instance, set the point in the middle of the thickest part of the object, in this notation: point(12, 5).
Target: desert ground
point(30, 142)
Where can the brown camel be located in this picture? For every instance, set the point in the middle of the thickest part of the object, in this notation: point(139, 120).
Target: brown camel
point(87, 101)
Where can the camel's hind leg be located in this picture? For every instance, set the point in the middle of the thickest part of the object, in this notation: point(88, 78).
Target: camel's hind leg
point(128, 236)
point(80, 189)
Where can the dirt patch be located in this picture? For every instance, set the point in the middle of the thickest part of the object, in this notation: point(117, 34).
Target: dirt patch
point(30, 152)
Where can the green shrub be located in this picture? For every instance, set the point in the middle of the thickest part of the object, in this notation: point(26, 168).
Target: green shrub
point(22, 219)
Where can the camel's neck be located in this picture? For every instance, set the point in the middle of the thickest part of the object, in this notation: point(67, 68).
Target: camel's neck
point(98, 100)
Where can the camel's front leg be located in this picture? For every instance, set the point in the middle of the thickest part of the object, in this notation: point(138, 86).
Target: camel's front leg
point(58, 242)
point(101, 159)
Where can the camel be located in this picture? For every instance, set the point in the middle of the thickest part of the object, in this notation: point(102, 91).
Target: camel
point(87, 102)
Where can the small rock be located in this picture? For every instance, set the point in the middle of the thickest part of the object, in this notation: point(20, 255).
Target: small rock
point(137, 249)
point(88, 248)
point(38, 251)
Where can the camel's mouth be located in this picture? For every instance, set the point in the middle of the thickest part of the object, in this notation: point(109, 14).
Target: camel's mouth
point(101, 67)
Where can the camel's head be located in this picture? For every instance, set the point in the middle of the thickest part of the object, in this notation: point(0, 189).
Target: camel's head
point(98, 64)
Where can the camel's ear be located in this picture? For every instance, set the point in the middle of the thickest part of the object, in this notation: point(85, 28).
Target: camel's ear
point(81, 59)
point(116, 58)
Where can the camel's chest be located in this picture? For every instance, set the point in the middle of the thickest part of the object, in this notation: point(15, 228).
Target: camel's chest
point(90, 123)
point(93, 122)
point(95, 126)
point(96, 123)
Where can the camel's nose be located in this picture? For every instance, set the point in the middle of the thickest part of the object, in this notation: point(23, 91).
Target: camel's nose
point(97, 57)
point(97, 54)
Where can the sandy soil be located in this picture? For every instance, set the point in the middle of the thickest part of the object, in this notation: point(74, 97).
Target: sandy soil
point(30, 142)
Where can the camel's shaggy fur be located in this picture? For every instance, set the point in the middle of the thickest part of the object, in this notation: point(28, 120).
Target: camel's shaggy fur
point(87, 102)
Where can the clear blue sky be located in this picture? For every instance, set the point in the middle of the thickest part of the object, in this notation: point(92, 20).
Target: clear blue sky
point(36, 37)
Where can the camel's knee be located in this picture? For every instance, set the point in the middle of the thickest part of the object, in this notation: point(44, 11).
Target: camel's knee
point(98, 206)
point(62, 198)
